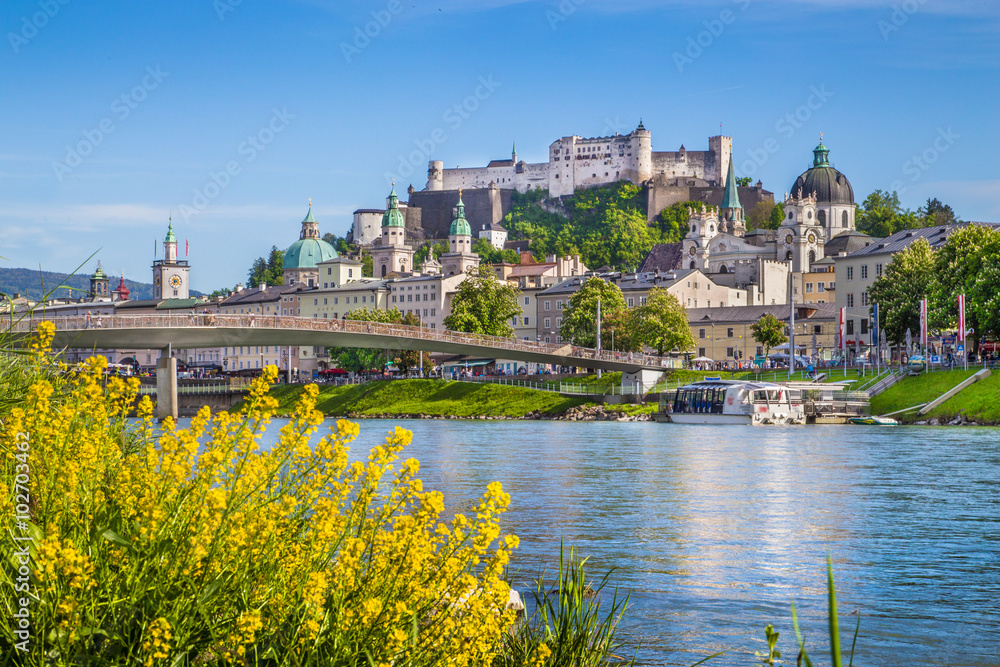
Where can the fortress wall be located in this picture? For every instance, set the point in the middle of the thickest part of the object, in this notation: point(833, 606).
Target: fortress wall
point(437, 209)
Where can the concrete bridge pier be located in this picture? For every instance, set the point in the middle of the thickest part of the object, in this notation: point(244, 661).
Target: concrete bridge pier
point(166, 386)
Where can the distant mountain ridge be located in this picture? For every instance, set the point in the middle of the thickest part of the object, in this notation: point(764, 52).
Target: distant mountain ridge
point(34, 284)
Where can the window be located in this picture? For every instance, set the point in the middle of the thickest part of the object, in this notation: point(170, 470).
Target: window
point(547, 305)
point(433, 310)
point(362, 299)
point(850, 327)
point(878, 270)
point(355, 299)
point(701, 334)
point(335, 301)
point(730, 333)
point(729, 353)
point(760, 351)
point(527, 300)
point(642, 301)
point(315, 302)
point(701, 352)
point(817, 329)
point(548, 323)
point(558, 323)
point(425, 312)
point(864, 326)
point(820, 287)
point(850, 273)
point(526, 321)
point(547, 338)
point(559, 305)
point(394, 298)
point(809, 288)
point(631, 302)
point(864, 298)
point(850, 301)
point(864, 271)
point(324, 301)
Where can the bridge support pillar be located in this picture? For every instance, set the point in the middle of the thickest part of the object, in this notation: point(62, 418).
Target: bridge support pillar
point(641, 381)
point(166, 387)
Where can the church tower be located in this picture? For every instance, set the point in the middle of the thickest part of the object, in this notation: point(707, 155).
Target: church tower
point(731, 212)
point(99, 284)
point(170, 275)
point(459, 257)
point(392, 254)
point(703, 227)
point(801, 237)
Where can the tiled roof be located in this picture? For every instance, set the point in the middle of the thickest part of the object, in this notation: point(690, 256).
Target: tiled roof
point(750, 314)
point(663, 257)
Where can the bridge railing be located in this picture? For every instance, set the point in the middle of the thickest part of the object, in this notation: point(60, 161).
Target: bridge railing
point(284, 322)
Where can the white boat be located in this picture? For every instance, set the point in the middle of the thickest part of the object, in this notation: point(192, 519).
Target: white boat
point(732, 402)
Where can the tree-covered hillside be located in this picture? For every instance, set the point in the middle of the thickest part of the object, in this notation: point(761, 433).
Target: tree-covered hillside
point(606, 226)
point(33, 284)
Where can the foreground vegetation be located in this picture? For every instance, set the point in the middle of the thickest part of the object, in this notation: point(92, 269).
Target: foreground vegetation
point(979, 403)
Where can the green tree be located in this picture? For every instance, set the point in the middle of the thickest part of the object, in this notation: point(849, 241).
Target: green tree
point(882, 215)
point(983, 297)
point(488, 254)
point(769, 331)
point(673, 222)
point(935, 213)
point(620, 331)
point(899, 290)
point(743, 181)
point(360, 359)
point(957, 266)
point(579, 320)
point(407, 360)
point(759, 216)
point(424, 251)
point(483, 304)
point(267, 271)
point(662, 322)
point(777, 216)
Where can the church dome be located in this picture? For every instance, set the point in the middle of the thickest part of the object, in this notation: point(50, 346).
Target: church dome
point(306, 253)
point(830, 186)
point(393, 217)
point(310, 249)
point(460, 226)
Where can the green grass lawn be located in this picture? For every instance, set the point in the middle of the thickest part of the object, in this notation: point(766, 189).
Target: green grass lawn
point(980, 402)
point(429, 397)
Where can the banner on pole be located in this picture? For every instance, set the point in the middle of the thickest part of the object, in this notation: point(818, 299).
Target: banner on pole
point(961, 318)
point(875, 327)
point(923, 322)
point(842, 328)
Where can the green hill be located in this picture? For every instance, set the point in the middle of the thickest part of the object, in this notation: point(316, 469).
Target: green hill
point(979, 403)
point(33, 283)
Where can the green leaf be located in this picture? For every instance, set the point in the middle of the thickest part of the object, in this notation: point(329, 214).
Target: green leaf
point(112, 536)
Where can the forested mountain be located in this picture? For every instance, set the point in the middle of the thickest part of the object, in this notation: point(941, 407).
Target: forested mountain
point(33, 283)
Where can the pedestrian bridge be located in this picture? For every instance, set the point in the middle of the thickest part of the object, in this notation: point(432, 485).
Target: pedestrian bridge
point(204, 330)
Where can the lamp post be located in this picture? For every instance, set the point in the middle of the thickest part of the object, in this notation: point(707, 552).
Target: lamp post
point(598, 346)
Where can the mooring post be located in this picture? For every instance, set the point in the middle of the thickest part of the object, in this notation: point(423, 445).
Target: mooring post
point(166, 386)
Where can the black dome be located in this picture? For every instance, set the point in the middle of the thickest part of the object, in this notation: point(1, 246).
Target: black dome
point(830, 186)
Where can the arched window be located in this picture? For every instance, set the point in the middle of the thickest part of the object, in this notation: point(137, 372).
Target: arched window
point(812, 256)
point(723, 269)
point(692, 264)
point(383, 271)
point(711, 229)
point(843, 219)
point(694, 229)
point(822, 218)
point(788, 255)
point(791, 215)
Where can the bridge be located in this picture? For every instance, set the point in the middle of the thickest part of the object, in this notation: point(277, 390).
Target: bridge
point(205, 330)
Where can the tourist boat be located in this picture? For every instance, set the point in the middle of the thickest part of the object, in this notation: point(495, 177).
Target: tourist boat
point(874, 421)
point(732, 402)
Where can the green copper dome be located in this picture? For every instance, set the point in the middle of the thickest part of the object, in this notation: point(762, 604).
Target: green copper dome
point(170, 234)
point(460, 226)
point(99, 273)
point(393, 217)
point(310, 249)
point(306, 253)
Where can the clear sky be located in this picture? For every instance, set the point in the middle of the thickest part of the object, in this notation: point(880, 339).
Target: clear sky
point(233, 113)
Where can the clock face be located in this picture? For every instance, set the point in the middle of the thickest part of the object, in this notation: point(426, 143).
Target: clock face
point(788, 239)
point(812, 238)
point(156, 280)
point(692, 251)
point(175, 281)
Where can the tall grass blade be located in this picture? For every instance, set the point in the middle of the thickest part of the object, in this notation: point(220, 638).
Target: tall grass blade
point(835, 658)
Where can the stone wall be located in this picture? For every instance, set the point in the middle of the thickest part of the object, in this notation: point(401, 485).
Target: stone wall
point(435, 210)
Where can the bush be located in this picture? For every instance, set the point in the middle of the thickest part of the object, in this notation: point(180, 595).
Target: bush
point(196, 546)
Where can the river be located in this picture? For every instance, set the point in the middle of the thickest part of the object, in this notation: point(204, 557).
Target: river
point(715, 531)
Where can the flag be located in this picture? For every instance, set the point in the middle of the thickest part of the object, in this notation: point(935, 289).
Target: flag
point(842, 329)
point(923, 322)
point(875, 324)
point(961, 318)
point(154, 248)
point(187, 247)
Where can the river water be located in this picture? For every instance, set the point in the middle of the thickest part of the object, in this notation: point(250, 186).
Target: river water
point(715, 531)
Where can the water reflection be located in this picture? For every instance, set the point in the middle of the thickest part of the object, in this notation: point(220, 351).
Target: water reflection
point(716, 530)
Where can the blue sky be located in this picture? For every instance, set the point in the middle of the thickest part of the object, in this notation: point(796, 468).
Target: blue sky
point(164, 99)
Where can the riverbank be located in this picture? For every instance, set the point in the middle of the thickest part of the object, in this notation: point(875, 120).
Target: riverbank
point(445, 399)
point(975, 405)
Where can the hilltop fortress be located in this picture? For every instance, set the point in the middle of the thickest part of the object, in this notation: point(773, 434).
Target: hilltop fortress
point(577, 162)
point(667, 177)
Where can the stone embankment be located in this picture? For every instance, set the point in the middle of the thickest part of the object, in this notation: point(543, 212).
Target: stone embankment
point(591, 413)
point(958, 420)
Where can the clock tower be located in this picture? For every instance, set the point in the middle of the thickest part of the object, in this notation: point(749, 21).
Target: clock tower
point(170, 275)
